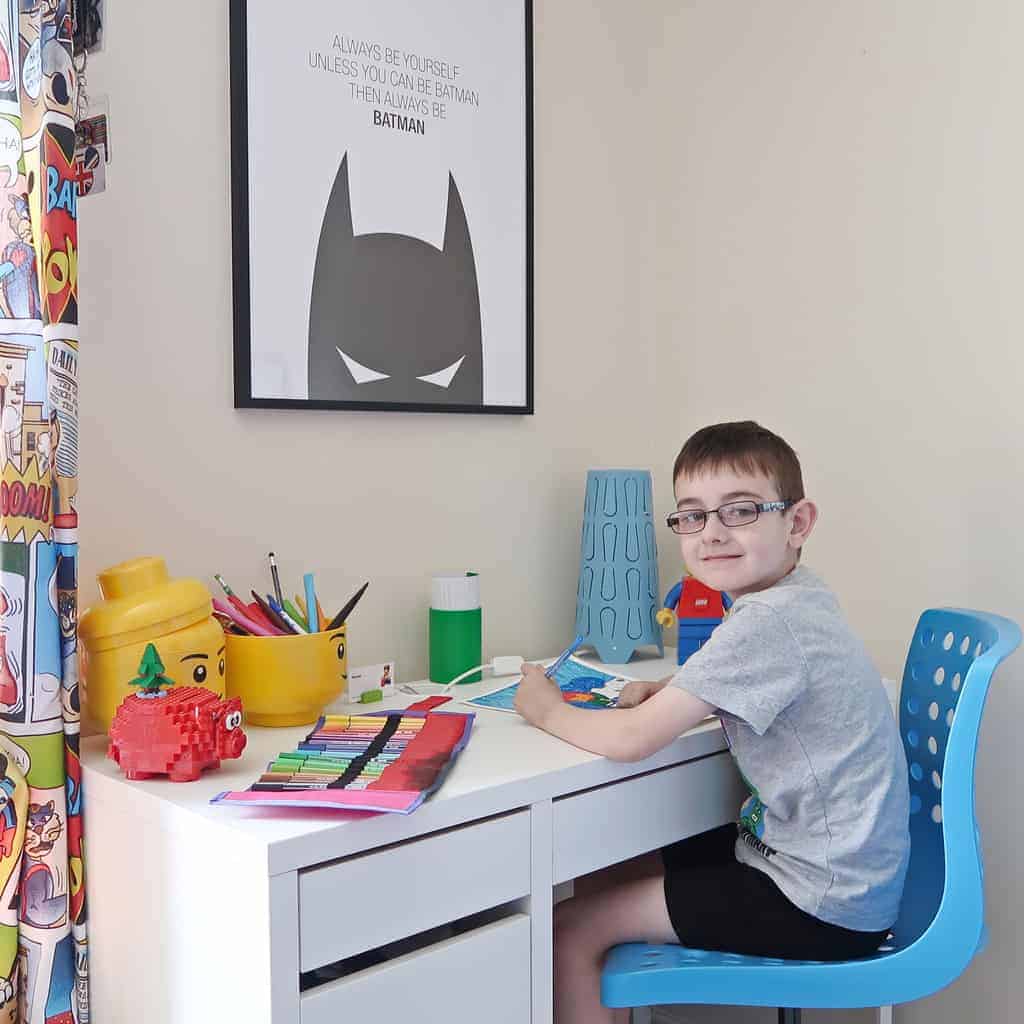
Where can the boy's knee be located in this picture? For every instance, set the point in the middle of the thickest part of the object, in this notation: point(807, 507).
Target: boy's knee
point(574, 934)
point(564, 915)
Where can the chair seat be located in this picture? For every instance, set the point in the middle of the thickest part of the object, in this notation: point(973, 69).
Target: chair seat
point(637, 974)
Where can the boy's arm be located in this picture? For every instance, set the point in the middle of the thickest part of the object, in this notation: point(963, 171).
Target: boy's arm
point(622, 734)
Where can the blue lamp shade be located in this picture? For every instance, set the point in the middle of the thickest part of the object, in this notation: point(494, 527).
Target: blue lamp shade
point(618, 593)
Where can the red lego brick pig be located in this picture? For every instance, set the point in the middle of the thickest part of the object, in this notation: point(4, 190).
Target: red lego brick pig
point(178, 733)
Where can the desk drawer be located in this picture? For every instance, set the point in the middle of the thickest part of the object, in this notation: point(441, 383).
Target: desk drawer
point(366, 901)
point(623, 819)
point(483, 975)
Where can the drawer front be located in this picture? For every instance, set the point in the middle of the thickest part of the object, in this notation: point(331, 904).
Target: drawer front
point(483, 975)
point(375, 898)
point(623, 819)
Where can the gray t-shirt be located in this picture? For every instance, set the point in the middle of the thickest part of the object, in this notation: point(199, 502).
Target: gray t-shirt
point(811, 729)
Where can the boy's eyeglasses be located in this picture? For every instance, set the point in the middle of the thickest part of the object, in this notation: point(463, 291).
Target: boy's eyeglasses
point(735, 513)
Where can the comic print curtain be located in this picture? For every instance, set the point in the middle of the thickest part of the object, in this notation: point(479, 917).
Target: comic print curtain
point(42, 896)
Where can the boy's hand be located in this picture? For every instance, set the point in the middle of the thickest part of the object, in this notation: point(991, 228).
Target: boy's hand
point(536, 695)
point(636, 692)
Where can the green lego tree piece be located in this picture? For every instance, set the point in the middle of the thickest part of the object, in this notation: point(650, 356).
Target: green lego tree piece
point(151, 678)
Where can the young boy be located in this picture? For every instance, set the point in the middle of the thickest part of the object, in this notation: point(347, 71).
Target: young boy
point(814, 868)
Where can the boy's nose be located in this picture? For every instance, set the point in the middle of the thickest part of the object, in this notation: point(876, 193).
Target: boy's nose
point(714, 531)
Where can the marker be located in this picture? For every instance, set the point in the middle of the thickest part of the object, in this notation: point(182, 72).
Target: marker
point(276, 579)
point(347, 610)
point(413, 721)
point(294, 613)
point(564, 656)
point(292, 625)
point(311, 617)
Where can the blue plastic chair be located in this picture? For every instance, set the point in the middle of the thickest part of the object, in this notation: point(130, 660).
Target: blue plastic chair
point(941, 921)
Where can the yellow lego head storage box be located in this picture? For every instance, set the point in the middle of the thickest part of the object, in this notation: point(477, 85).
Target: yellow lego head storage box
point(142, 605)
point(287, 680)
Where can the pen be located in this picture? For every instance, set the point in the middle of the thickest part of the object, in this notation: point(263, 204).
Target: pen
point(347, 610)
point(564, 656)
point(292, 625)
point(276, 579)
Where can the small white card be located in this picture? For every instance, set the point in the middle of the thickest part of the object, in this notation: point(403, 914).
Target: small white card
point(371, 677)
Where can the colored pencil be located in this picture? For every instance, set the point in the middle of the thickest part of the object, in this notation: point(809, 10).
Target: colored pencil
point(349, 605)
point(233, 598)
point(271, 614)
point(276, 579)
point(300, 603)
point(255, 613)
point(243, 620)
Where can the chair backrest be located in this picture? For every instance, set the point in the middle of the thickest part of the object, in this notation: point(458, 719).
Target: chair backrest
point(945, 681)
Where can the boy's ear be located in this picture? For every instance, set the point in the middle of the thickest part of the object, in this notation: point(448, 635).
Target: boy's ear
point(805, 515)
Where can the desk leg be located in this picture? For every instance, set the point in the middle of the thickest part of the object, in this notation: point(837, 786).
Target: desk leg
point(284, 948)
point(541, 913)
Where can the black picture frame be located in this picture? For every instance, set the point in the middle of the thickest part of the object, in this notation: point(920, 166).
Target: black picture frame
point(241, 253)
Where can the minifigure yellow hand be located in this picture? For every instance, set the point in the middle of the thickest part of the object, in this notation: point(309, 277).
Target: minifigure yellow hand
point(664, 617)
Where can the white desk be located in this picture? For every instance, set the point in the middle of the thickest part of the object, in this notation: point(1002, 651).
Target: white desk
point(201, 913)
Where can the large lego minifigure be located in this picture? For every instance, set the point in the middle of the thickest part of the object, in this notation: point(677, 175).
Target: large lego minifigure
point(698, 610)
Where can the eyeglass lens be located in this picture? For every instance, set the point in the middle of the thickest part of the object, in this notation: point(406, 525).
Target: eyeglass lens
point(736, 513)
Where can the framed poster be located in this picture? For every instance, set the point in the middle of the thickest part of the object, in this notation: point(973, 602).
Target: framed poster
point(382, 205)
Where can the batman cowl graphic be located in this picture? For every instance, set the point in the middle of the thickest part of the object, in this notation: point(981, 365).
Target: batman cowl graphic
point(391, 318)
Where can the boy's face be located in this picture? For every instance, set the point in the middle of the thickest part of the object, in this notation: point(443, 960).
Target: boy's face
point(741, 559)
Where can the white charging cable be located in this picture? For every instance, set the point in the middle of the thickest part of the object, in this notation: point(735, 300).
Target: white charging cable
point(504, 665)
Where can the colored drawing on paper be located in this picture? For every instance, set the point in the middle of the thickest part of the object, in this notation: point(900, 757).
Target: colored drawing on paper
point(582, 686)
point(388, 761)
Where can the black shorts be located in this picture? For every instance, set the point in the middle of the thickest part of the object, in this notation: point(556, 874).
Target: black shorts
point(717, 903)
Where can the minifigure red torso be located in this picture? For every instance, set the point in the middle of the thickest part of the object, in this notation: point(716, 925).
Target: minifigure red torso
point(697, 601)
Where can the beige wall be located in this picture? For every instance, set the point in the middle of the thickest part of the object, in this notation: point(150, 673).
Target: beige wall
point(169, 466)
point(807, 213)
point(840, 245)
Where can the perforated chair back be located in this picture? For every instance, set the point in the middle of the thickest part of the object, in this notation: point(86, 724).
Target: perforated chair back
point(945, 683)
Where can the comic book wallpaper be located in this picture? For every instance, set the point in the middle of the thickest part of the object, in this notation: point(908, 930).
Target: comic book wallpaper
point(43, 953)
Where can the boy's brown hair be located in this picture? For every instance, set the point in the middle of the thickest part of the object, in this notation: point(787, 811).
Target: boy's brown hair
point(745, 447)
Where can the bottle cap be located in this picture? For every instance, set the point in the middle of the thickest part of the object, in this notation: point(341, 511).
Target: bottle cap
point(455, 592)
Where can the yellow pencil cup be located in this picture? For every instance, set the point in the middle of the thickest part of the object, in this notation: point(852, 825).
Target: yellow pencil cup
point(142, 605)
point(287, 680)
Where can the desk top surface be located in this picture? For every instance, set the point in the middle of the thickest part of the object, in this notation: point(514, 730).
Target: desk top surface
point(506, 765)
